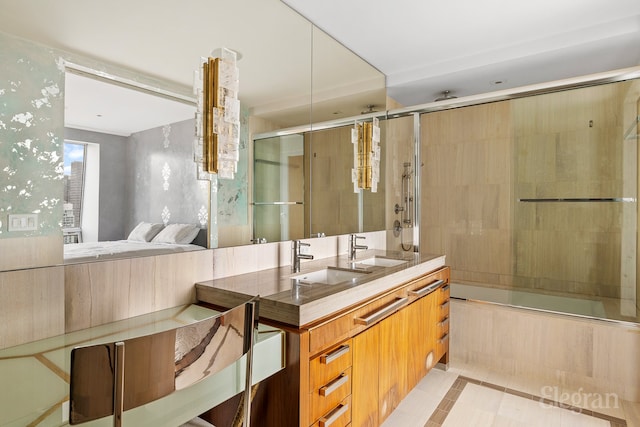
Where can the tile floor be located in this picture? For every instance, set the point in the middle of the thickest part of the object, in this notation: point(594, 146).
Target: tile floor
point(472, 397)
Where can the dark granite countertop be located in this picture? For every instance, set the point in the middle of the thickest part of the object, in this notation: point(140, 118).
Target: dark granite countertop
point(299, 302)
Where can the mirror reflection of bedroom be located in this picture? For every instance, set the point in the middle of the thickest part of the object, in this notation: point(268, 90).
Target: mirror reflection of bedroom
point(130, 183)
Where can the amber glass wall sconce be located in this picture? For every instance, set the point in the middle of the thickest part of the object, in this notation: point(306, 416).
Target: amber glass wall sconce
point(365, 174)
point(217, 147)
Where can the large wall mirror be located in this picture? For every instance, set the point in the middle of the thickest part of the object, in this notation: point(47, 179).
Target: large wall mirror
point(128, 160)
point(145, 168)
point(303, 186)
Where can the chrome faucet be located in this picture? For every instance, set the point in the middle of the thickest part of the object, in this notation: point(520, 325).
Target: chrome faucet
point(353, 246)
point(296, 256)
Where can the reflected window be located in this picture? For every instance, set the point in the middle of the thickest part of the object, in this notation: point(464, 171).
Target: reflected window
point(81, 191)
point(74, 177)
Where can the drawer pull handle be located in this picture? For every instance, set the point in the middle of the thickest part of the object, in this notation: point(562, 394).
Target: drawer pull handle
point(340, 409)
point(335, 354)
point(333, 385)
point(445, 288)
point(444, 338)
point(426, 290)
point(444, 323)
point(444, 305)
point(382, 313)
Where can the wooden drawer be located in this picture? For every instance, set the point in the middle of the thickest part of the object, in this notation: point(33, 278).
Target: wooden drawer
point(443, 310)
point(421, 288)
point(329, 365)
point(442, 327)
point(345, 325)
point(330, 394)
point(338, 416)
point(444, 292)
point(442, 346)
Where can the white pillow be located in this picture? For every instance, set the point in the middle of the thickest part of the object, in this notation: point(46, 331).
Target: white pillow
point(181, 234)
point(145, 231)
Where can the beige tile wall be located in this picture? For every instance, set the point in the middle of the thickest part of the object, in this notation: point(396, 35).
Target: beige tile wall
point(333, 206)
point(466, 190)
point(563, 351)
point(398, 148)
point(37, 251)
point(570, 144)
point(32, 305)
point(480, 160)
point(246, 259)
point(107, 291)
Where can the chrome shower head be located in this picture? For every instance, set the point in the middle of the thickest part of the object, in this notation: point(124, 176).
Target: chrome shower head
point(445, 95)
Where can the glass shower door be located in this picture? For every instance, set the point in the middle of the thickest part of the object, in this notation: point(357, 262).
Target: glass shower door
point(278, 211)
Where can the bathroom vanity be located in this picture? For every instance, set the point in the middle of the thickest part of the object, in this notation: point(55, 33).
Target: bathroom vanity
point(359, 335)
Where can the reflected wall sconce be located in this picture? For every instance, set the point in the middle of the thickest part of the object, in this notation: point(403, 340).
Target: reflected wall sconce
point(216, 84)
point(365, 174)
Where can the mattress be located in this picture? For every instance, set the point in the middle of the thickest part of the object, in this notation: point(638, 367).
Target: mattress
point(96, 251)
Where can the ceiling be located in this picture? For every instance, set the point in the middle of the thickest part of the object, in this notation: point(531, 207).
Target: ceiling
point(420, 48)
point(97, 106)
point(471, 47)
point(165, 39)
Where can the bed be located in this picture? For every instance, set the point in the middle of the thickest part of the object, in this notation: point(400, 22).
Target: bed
point(144, 240)
point(94, 251)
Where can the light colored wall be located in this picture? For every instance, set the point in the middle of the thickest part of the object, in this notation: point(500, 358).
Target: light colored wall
point(398, 148)
point(31, 305)
point(479, 161)
point(554, 350)
point(102, 292)
point(31, 137)
point(569, 145)
point(237, 260)
point(162, 177)
point(113, 185)
point(332, 205)
point(466, 190)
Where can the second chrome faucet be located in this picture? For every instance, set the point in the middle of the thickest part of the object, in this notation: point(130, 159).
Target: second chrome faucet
point(354, 246)
point(296, 256)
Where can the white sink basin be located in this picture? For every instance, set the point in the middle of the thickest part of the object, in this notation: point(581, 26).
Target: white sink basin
point(381, 262)
point(329, 276)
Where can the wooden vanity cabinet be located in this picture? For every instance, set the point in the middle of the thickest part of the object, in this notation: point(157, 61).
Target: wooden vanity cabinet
point(353, 368)
point(401, 348)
